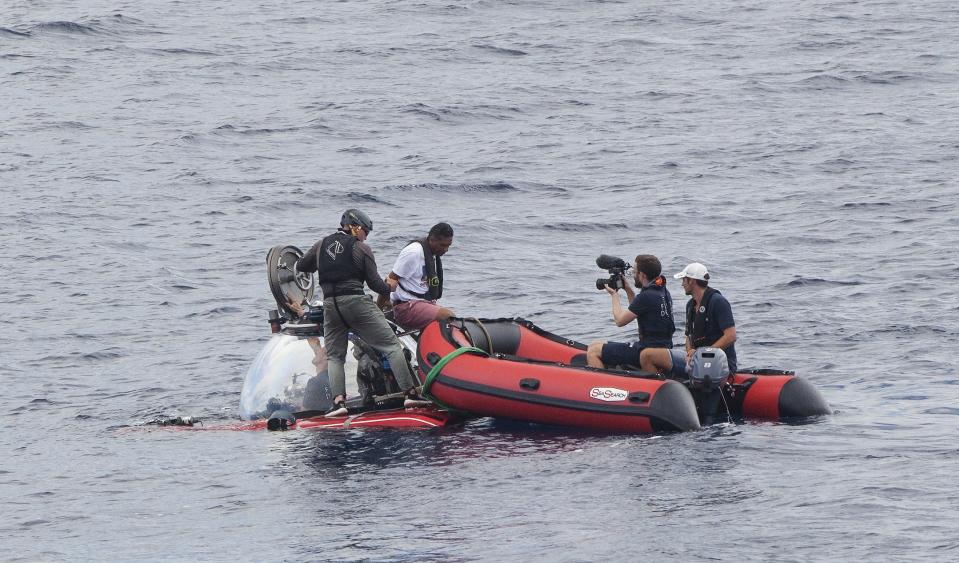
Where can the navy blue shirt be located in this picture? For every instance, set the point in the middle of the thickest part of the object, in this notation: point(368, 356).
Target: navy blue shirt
point(653, 307)
point(719, 317)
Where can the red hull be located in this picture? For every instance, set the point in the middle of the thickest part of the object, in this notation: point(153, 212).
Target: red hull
point(530, 377)
point(547, 390)
point(773, 395)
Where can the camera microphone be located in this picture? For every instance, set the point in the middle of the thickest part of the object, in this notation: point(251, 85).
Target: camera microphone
point(607, 262)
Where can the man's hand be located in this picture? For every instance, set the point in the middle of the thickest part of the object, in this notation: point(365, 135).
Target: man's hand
point(611, 290)
point(392, 282)
point(297, 308)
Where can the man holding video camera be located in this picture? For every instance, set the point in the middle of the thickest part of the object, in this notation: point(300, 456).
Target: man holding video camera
point(652, 309)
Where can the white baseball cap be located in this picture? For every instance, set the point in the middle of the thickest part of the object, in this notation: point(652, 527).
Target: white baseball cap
point(695, 270)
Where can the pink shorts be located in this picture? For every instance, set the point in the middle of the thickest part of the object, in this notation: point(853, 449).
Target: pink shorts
point(415, 315)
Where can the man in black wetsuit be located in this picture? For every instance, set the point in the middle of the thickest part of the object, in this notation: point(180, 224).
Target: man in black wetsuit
point(652, 309)
point(344, 262)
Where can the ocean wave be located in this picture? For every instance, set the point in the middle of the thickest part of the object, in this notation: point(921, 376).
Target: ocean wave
point(865, 204)
point(634, 42)
point(216, 311)
point(824, 44)
point(229, 128)
point(885, 77)
point(492, 187)
point(182, 51)
point(823, 81)
point(7, 32)
point(462, 112)
point(422, 109)
point(819, 282)
point(106, 354)
point(500, 50)
point(76, 125)
point(361, 197)
point(571, 227)
point(72, 28)
point(365, 51)
point(357, 150)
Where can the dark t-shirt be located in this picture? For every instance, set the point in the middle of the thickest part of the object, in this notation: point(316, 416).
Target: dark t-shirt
point(653, 308)
point(720, 317)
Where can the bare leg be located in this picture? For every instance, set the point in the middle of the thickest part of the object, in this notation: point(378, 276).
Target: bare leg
point(594, 354)
point(656, 360)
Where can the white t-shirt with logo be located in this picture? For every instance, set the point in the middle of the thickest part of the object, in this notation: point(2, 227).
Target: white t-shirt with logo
point(410, 266)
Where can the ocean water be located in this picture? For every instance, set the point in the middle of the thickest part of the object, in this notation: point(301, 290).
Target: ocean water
point(151, 154)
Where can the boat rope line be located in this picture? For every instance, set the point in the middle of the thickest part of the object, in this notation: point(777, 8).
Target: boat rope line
point(489, 339)
point(438, 366)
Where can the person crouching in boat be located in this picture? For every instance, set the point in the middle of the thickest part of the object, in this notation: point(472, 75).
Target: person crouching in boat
point(652, 309)
point(344, 262)
point(418, 273)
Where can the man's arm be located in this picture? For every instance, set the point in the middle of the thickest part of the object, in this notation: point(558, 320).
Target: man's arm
point(630, 294)
point(727, 339)
point(621, 317)
point(307, 264)
point(724, 316)
point(363, 253)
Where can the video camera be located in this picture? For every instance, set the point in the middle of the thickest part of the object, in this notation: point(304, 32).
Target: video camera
point(616, 268)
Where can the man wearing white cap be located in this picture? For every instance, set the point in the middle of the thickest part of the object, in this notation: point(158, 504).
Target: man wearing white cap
point(709, 322)
point(709, 318)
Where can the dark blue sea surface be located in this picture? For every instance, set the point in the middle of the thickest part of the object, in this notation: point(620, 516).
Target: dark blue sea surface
point(152, 152)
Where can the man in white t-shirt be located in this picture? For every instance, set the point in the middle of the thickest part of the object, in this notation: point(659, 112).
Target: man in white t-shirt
point(418, 272)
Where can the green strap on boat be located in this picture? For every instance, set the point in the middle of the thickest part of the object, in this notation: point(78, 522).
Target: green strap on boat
point(434, 373)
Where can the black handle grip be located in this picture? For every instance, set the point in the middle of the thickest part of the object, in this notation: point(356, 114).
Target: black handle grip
point(529, 383)
point(638, 397)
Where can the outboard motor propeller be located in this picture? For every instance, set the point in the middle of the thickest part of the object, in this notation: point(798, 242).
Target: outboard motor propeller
point(709, 368)
point(280, 420)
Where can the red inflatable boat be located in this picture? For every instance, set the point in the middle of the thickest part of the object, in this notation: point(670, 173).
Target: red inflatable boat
point(510, 368)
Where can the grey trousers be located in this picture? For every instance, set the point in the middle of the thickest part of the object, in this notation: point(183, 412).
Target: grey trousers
point(359, 314)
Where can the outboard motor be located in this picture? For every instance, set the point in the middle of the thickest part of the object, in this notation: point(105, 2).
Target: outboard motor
point(708, 368)
point(708, 372)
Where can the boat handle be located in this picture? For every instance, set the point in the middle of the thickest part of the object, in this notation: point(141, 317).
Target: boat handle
point(638, 397)
point(529, 383)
